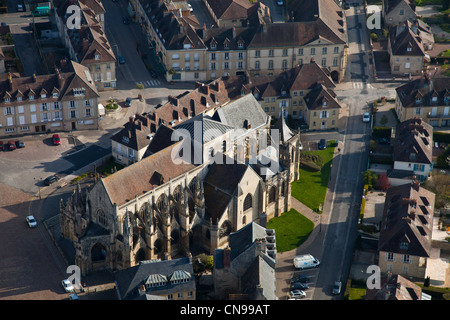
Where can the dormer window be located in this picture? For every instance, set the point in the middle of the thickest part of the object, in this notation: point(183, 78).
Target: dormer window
point(7, 99)
point(409, 49)
point(240, 45)
point(19, 98)
point(55, 95)
point(43, 96)
point(31, 97)
point(213, 46)
point(418, 100)
point(404, 245)
point(78, 91)
point(125, 139)
point(97, 57)
point(434, 99)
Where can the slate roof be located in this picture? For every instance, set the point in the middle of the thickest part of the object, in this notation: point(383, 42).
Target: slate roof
point(137, 178)
point(404, 42)
point(413, 142)
point(395, 288)
point(389, 5)
point(135, 133)
point(245, 110)
point(285, 133)
point(230, 9)
point(405, 227)
point(129, 280)
point(161, 140)
point(204, 128)
point(420, 92)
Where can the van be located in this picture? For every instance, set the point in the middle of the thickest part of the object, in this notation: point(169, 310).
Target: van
point(306, 261)
point(41, 11)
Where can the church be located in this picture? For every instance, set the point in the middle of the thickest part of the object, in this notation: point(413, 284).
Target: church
point(169, 205)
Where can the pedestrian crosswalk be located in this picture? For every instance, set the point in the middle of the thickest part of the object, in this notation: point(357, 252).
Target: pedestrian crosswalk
point(361, 85)
point(149, 83)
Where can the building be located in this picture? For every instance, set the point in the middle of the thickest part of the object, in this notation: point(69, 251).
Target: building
point(396, 287)
point(246, 268)
point(169, 204)
point(130, 144)
point(157, 280)
point(398, 11)
point(407, 49)
point(62, 101)
point(88, 44)
point(405, 235)
point(425, 98)
point(322, 108)
point(413, 148)
point(244, 40)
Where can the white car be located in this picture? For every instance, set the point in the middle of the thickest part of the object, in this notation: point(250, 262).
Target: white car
point(297, 294)
point(190, 7)
point(67, 285)
point(366, 117)
point(280, 2)
point(31, 222)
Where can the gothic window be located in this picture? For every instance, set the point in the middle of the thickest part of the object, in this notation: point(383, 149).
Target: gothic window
point(225, 229)
point(162, 202)
point(177, 194)
point(193, 184)
point(98, 253)
point(144, 213)
point(272, 195)
point(248, 201)
point(102, 219)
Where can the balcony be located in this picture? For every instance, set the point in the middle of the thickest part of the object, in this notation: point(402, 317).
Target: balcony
point(438, 115)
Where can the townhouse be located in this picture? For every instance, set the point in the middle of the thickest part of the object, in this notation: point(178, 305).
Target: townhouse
point(397, 11)
point(425, 98)
point(245, 38)
point(88, 44)
point(405, 236)
point(62, 101)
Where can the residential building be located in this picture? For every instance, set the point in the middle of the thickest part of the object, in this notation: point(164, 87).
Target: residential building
point(130, 144)
point(62, 101)
point(168, 205)
point(413, 148)
point(88, 44)
point(397, 11)
point(245, 269)
point(157, 280)
point(405, 235)
point(425, 98)
point(322, 108)
point(407, 50)
point(396, 287)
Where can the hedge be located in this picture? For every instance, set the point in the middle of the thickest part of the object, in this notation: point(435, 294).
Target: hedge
point(441, 137)
point(382, 132)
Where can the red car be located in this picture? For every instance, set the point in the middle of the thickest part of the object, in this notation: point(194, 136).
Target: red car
point(12, 145)
point(56, 140)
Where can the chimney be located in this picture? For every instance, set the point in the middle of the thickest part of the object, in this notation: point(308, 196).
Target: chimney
point(85, 44)
point(416, 184)
point(62, 63)
point(60, 79)
point(10, 82)
point(131, 119)
point(206, 89)
point(34, 77)
point(198, 84)
point(227, 257)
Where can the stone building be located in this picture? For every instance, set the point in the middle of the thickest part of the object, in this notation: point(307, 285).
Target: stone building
point(167, 205)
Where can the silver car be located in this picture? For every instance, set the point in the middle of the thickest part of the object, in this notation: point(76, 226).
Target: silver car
point(337, 287)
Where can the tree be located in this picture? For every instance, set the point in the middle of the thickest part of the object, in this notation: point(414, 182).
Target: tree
point(383, 182)
point(369, 178)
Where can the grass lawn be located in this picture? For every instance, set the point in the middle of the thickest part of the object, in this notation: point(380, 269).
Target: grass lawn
point(311, 188)
point(356, 293)
point(291, 229)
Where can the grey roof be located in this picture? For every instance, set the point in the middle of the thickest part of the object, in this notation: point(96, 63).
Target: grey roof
point(155, 271)
point(245, 110)
point(206, 127)
point(245, 237)
point(284, 131)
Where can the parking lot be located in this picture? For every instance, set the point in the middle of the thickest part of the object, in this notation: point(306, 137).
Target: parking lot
point(311, 278)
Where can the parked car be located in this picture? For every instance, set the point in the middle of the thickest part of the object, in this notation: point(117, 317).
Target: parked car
point(298, 286)
point(153, 74)
point(366, 117)
point(300, 278)
point(73, 296)
point(56, 140)
point(297, 294)
point(31, 222)
point(337, 287)
point(128, 102)
point(12, 145)
point(20, 144)
point(67, 285)
point(121, 59)
point(322, 145)
point(383, 141)
point(52, 179)
point(2, 147)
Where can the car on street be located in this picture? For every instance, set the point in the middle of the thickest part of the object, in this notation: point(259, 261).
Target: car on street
point(383, 141)
point(20, 144)
point(12, 145)
point(337, 287)
point(297, 294)
point(153, 74)
point(298, 286)
point(31, 221)
point(121, 59)
point(67, 285)
point(322, 145)
point(2, 147)
point(56, 140)
point(73, 296)
point(125, 20)
point(366, 117)
point(52, 179)
point(128, 102)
